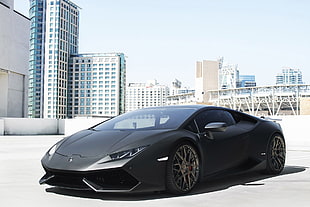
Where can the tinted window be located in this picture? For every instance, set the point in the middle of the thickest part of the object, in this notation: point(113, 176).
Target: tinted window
point(191, 127)
point(214, 116)
point(147, 119)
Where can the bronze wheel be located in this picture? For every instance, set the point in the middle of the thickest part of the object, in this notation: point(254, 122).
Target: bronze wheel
point(276, 153)
point(183, 169)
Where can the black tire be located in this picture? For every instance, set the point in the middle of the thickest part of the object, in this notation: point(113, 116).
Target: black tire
point(276, 153)
point(183, 169)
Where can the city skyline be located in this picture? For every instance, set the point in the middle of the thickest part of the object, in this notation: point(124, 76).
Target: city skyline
point(261, 37)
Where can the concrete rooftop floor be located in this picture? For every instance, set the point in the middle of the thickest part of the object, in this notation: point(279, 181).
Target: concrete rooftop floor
point(20, 170)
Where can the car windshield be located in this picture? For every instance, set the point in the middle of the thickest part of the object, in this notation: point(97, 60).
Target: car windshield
point(146, 119)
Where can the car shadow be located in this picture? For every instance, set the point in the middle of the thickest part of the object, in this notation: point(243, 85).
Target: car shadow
point(245, 179)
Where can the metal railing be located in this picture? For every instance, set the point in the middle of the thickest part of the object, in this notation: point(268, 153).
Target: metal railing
point(263, 100)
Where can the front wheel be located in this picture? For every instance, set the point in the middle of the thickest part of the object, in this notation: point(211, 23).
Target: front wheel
point(182, 169)
point(276, 153)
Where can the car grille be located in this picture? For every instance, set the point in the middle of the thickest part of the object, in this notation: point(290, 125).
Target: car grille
point(106, 180)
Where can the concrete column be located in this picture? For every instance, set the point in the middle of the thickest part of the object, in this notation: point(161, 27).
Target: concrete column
point(3, 94)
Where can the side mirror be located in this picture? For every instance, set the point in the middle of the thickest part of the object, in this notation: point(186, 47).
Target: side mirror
point(216, 127)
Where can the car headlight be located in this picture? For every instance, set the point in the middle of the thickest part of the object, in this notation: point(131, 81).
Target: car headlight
point(127, 153)
point(52, 150)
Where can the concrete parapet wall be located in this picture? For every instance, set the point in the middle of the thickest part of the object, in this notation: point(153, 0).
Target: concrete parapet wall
point(1, 127)
point(295, 130)
point(291, 125)
point(28, 126)
point(71, 126)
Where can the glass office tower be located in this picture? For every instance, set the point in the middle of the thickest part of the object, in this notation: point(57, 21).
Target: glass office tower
point(246, 81)
point(53, 38)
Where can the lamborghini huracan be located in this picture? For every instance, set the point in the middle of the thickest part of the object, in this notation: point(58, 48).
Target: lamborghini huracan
point(168, 148)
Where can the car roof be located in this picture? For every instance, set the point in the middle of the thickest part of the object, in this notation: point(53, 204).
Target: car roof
point(197, 107)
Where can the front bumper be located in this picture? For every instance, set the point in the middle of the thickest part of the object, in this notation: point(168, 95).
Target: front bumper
point(129, 175)
point(115, 180)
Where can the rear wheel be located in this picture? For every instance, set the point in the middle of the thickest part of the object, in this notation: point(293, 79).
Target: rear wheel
point(182, 169)
point(276, 153)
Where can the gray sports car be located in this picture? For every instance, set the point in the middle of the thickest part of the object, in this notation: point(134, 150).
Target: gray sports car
point(164, 148)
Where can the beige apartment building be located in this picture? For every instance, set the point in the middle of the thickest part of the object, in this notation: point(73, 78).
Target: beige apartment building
point(207, 79)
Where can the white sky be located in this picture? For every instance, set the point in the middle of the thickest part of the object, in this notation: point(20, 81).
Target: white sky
point(164, 38)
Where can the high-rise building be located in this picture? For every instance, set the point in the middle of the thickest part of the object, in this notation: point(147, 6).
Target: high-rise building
point(246, 81)
point(14, 54)
point(96, 85)
point(289, 76)
point(53, 38)
point(141, 95)
point(207, 78)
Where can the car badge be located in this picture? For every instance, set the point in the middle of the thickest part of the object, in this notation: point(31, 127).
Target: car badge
point(70, 159)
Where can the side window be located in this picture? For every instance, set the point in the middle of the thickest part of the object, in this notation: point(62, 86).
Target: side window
point(191, 127)
point(228, 118)
point(214, 116)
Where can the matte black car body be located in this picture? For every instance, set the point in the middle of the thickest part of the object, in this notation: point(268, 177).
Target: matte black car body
point(133, 159)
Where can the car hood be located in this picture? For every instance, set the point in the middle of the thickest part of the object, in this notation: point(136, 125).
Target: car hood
point(89, 143)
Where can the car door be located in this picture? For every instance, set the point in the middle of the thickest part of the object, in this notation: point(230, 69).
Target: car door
point(222, 150)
